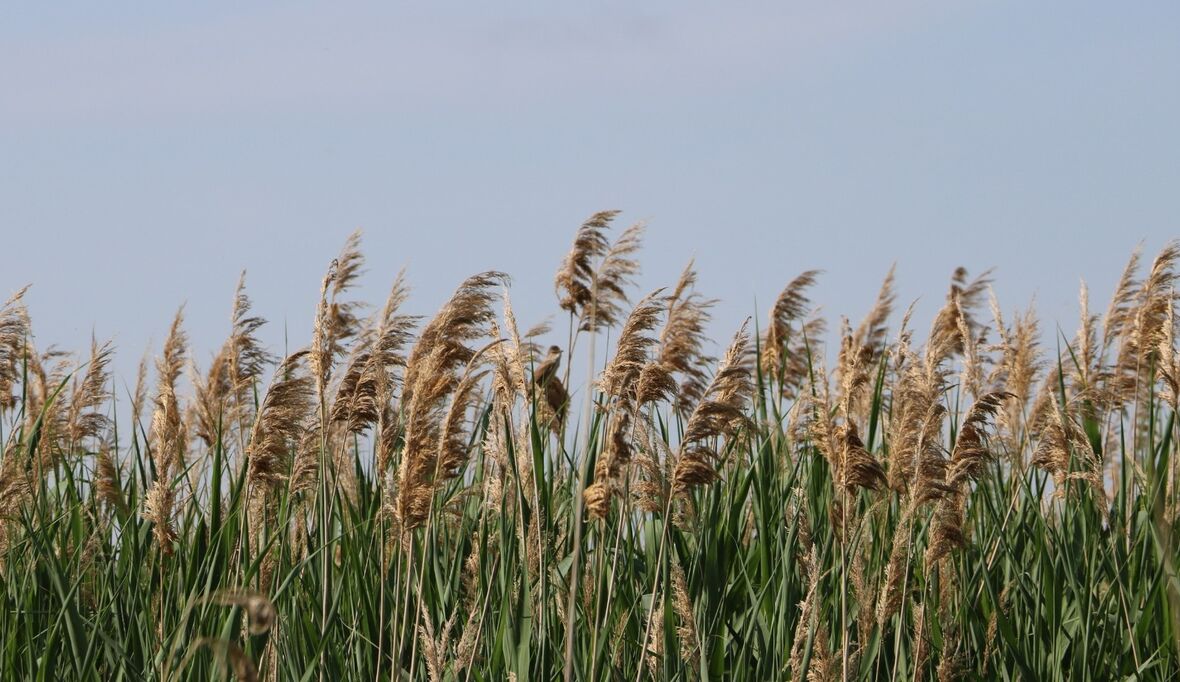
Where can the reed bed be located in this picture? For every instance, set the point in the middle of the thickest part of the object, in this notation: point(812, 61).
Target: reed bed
point(448, 498)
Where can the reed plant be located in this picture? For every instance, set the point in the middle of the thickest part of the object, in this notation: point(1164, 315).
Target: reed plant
point(448, 498)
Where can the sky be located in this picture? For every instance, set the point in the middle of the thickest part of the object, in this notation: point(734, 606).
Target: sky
point(149, 152)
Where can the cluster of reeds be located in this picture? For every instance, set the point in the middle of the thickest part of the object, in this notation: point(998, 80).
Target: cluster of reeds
point(420, 498)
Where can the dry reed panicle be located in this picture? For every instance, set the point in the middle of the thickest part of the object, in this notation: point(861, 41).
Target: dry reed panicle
point(1121, 310)
point(511, 378)
point(46, 406)
point(107, 487)
point(955, 331)
point(682, 340)
point(575, 276)
point(590, 282)
point(1169, 360)
point(1141, 333)
point(432, 376)
point(1060, 443)
point(834, 432)
point(617, 269)
point(167, 435)
point(85, 418)
point(719, 413)
point(1017, 370)
point(967, 461)
point(686, 631)
point(14, 331)
point(785, 349)
point(633, 350)
point(873, 332)
point(209, 403)
point(344, 322)
point(611, 463)
point(277, 428)
point(139, 394)
point(245, 357)
point(321, 355)
point(15, 489)
point(1085, 347)
point(435, 648)
point(368, 384)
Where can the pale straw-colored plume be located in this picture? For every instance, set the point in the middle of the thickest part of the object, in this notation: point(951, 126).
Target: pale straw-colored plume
point(1017, 371)
point(574, 279)
point(611, 464)
point(1121, 311)
point(971, 452)
point(686, 631)
point(246, 358)
point(344, 321)
point(972, 374)
point(211, 395)
point(139, 393)
point(15, 490)
point(435, 646)
point(591, 281)
point(278, 428)
point(432, 378)
point(369, 381)
point(511, 357)
point(306, 464)
point(719, 413)
point(833, 430)
point(168, 438)
point(45, 406)
point(955, 329)
point(633, 350)
point(792, 335)
point(14, 332)
point(618, 269)
point(85, 418)
point(1169, 360)
point(107, 486)
point(970, 456)
point(683, 337)
point(1064, 451)
point(873, 330)
point(1141, 334)
point(791, 305)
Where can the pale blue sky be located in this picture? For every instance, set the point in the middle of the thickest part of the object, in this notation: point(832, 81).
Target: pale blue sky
point(147, 154)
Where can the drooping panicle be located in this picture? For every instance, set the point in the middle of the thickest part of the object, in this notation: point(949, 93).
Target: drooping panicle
point(591, 281)
point(872, 332)
point(618, 269)
point(633, 349)
point(720, 412)
point(368, 384)
point(682, 340)
point(85, 418)
point(280, 422)
point(14, 331)
point(575, 276)
point(344, 321)
point(791, 335)
point(432, 377)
